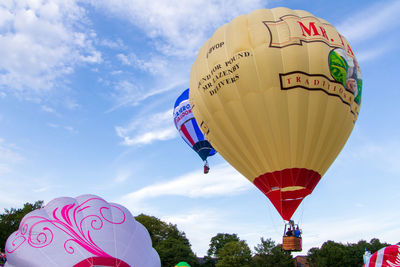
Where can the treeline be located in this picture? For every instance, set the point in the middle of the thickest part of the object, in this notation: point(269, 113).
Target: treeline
point(225, 250)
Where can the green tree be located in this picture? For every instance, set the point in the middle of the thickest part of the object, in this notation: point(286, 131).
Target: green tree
point(234, 254)
point(217, 242)
point(331, 254)
point(208, 262)
point(337, 254)
point(375, 245)
point(10, 219)
point(171, 244)
point(268, 255)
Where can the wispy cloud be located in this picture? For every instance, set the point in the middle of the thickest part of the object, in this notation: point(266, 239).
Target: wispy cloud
point(41, 42)
point(21, 188)
point(372, 21)
point(145, 130)
point(48, 109)
point(67, 128)
point(223, 180)
point(153, 65)
point(371, 30)
point(126, 93)
point(9, 156)
point(9, 152)
point(177, 27)
point(371, 54)
point(130, 93)
point(51, 110)
point(112, 43)
point(122, 175)
point(384, 156)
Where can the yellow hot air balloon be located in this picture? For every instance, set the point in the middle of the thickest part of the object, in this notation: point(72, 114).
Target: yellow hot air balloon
point(277, 93)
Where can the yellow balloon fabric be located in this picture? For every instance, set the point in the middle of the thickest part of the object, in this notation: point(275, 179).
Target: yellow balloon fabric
point(277, 92)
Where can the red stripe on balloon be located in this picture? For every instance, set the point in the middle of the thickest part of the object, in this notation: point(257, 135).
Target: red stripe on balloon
point(186, 134)
point(287, 202)
point(102, 261)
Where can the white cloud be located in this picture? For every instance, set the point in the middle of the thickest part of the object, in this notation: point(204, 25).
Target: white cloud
point(70, 129)
point(199, 224)
point(124, 59)
point(178, 27)
point(371, 54)
point(128, 93)
point(112, 43)
point(53, 125)
point(42, 189)
point(47, 109)
point(122, 175)
point(116, 72)
point(67, 128)
point(147, 129)
point(384, 155)
point(223, 180)
point(19, 188)
point(153, 65)
point(149, 137)
point(40, 42)
point(8, 156)
point(370, 22)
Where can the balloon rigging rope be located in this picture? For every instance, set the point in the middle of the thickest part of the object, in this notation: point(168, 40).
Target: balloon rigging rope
point(274, 226)
point(303, 204)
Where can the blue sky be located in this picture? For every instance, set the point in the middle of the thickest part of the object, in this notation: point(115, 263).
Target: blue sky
point(87, 89)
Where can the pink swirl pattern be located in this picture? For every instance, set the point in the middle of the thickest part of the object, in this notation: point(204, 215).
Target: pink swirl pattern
point(38, 231)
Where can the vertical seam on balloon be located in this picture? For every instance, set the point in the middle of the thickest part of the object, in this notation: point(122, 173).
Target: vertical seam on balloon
point(269, 164)
point(81, 215)
point(319, 127)
point(321, 142)
point(307, 122)
point(190, 127)
point(225, 136)
point(334, 141)
point(229, 118)
point(296, 164)
point(197, 130)
point(115, 254)
point(255, 147)
point(290, 165)
point(133, 235)
point(277, 137)
point(43, 251)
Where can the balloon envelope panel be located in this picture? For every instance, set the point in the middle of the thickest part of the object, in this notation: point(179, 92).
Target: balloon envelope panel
point(385, 257)
point(75, 231)
point(182, 264)
point(188, 128)
point(277, 93)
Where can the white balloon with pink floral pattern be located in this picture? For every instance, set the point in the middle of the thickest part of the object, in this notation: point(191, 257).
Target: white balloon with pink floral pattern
point(82, 231)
